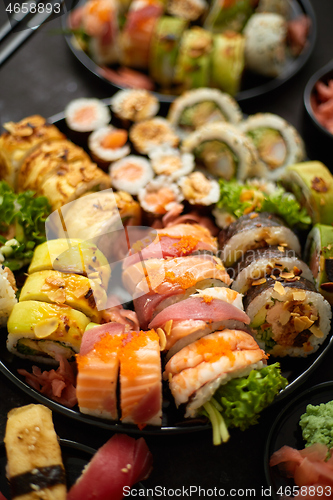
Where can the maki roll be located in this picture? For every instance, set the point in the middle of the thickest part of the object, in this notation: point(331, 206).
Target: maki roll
point(7, 294)
point(224, 151)
point(312, 184)
point(228, 61)
point(288, 315)
point(281, 7)
point(319, 255)
point(164, 49)
point(136, 37)
point(170, 162)
point(265, 44)
point(86, 114)
point(131, 173)
point(254, 265)
point(159, 196)
point(252, 231)
point(134, 105)
point(19, 140)
point(34, 462)
point(191, 10)
point(278, 143)
point(194, 59)
point(108, 144)
point(199, 107)
point(43, 332)
point(228, 15)
point(197, 189)
point(149, 134)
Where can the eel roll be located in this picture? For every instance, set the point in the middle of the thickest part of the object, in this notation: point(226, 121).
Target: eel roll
point(34, 462)
point(257, 264)
point(252, 231)
point(288, 315)
point(312, 184)
point(319, 255)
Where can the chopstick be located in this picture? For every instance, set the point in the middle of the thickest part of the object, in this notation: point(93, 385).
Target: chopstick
point(31, 27)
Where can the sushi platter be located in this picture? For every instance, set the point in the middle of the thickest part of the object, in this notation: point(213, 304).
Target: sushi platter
point(252, 84)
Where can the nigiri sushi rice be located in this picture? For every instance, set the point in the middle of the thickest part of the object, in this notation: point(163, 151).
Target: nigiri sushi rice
point(160, 195)
point(86, 114)
point(7, 294)
point(131, 174)
point(171, 162)
point(108, 144)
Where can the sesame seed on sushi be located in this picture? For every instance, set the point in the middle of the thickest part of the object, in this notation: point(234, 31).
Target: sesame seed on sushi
point(278, 143)
point(160, 195)
point(131, 174)
point(171, 162)
point(86, 114)
point(191, 10)
point(7, 294)
point(198, 107)
point(134, 105)
point(199, 189)
point(149, 134)
point(108, 144)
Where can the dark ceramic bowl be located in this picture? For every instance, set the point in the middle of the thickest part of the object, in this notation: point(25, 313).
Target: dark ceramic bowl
point(318, 140)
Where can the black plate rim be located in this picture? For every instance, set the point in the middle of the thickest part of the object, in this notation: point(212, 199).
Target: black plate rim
point(243, 95)
point(322, 387)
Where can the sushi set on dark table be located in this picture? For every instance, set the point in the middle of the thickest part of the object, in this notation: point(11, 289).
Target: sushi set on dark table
point(184, 366)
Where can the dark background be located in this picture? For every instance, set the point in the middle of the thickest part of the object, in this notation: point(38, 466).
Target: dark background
point(41, 78)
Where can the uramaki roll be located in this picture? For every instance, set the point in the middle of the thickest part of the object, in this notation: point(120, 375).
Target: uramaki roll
point(252, 231)
point(288, 315)
point(19, 140)
point(34, 462)
point(319, 255)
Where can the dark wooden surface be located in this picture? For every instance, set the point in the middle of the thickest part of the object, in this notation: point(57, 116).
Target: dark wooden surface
point(42, 77)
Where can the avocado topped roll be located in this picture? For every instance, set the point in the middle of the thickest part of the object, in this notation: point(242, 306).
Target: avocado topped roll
point(42, 332)
point(199, 107)
point(224, 151)
point(278, 143)
point(319, 255)
point(256, 264)
point(288, 315)
point(312, 184)
point(228, 61)
point(230, 15)
point(252, 231)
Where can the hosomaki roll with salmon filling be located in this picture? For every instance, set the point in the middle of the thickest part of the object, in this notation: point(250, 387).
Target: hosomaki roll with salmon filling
point(19, 140)
point(256, 264)
point(42, 332)
point(131, 173)
point(216, 375)
point(108, 144)
point(34, 462)
point(319, 255)
point(252, 231)
point(202, 313)
point(166, 282)
point(288, 315)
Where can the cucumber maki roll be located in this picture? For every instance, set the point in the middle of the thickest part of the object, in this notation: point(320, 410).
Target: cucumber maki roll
point(252, 231)
point(319, 255)
point(224, 150)
point(164, 49)
point(288, 315)
point(199, 107)
point(228, 61)
point(265, 44)
point(193, 62)
point(278, 143)
point(257, 264)
point(312, 184)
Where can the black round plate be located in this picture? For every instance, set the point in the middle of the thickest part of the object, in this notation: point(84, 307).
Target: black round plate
point(252, 86)
point(287, 431)
point(75, 457)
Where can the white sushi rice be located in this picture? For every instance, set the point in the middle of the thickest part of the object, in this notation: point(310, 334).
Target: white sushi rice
point(199, 190)
point(315, 298)
point(153, 187)
point(106, 154)
point(87, 114)
point(222, 293)
point(131, 174)
point(171, 162)
point(7, 297)
point(134, 104)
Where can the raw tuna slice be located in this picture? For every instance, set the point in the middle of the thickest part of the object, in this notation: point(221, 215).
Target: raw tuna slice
point(122, 461)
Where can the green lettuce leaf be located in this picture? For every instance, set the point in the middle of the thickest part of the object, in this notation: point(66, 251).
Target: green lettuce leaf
point(22, 216)
point(241, 400)
point(279, 202)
